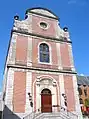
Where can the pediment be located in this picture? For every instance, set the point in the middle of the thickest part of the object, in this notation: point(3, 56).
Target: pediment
point(42, 11)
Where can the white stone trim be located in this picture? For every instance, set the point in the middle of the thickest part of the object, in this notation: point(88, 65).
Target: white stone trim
point(77, 104)
point(43, 17)
point(33, 91)
point(54, 97)
point(47, 73)
point(28, 108)
point(25, 24)
point(48, 77)
point(71, 56)
point(59, 31)
point(9, 90)
point(29, 52)
point(12, 50)
point(45, 23)
point(29, 20)
point(38, 98)
point(44, 12)
point(59, 56)
point(41, 87)
point(50, 54)
point(14, 37)
point(62, 90)
point(36, 37)
point(38, 95)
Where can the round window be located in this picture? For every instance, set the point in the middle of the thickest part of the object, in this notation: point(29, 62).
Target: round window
point(43, 25)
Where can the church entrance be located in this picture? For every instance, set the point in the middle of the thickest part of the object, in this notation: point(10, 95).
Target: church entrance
point(46, 100)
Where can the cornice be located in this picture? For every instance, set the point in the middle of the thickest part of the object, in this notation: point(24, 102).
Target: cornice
point(40, 36)
point(41, 69)
point(44, 15)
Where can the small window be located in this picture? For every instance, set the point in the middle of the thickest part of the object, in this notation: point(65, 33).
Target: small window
point(43, 25)
point(85, 92)
point(80, 91)
point(44, 53)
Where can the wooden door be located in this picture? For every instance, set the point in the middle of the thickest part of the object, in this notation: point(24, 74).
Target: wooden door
point(46, 101)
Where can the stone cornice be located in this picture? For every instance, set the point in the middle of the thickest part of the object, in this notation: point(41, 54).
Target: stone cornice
point(41, 36)
point(40, 69)
point(31, 10)
point(44, 15)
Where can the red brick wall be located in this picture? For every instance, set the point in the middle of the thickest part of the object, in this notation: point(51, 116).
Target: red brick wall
point(36, 29)
point(69, 91)
point(19, 92)
point(21, 50)
point(65, 55)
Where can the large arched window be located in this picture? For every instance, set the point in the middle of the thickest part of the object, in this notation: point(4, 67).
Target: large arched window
point(44, 52)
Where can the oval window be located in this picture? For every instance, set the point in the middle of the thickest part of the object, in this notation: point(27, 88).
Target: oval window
point(43, 25)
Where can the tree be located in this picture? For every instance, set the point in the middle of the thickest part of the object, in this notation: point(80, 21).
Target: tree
point(87, 102)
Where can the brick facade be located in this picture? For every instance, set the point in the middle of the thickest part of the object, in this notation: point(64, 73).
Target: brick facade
point(29, 75)
point(19, 92)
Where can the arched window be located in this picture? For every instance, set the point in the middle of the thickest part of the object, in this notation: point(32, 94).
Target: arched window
point(85, 92)
point(80, 90)
point(44, 52)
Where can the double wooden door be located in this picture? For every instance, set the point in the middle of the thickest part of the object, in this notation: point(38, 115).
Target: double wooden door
point(46, 101)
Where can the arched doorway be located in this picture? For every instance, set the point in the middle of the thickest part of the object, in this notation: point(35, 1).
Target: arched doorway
point(46, 100)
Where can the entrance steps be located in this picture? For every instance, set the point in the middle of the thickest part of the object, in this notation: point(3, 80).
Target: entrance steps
point(57, 115)
point(61, 114)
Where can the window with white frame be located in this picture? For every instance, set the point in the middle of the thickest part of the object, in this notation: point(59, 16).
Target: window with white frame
point(44, 53)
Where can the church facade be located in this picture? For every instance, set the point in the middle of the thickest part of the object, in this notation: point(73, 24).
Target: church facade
point(39, 72)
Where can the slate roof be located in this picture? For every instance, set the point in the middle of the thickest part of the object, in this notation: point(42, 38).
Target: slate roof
point(82, 80)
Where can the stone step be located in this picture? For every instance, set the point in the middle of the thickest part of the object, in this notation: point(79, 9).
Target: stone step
point(52, 116)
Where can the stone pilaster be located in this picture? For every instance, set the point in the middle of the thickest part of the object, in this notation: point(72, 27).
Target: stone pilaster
point(71, 57)
point(9, 90)
point(62, 90)
point(28, 108)
point(77, 104)
point(59, 55)
point(29, 52)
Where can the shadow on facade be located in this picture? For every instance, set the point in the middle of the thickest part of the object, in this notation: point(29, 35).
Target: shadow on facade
point(0, 114)
point(8, 114)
